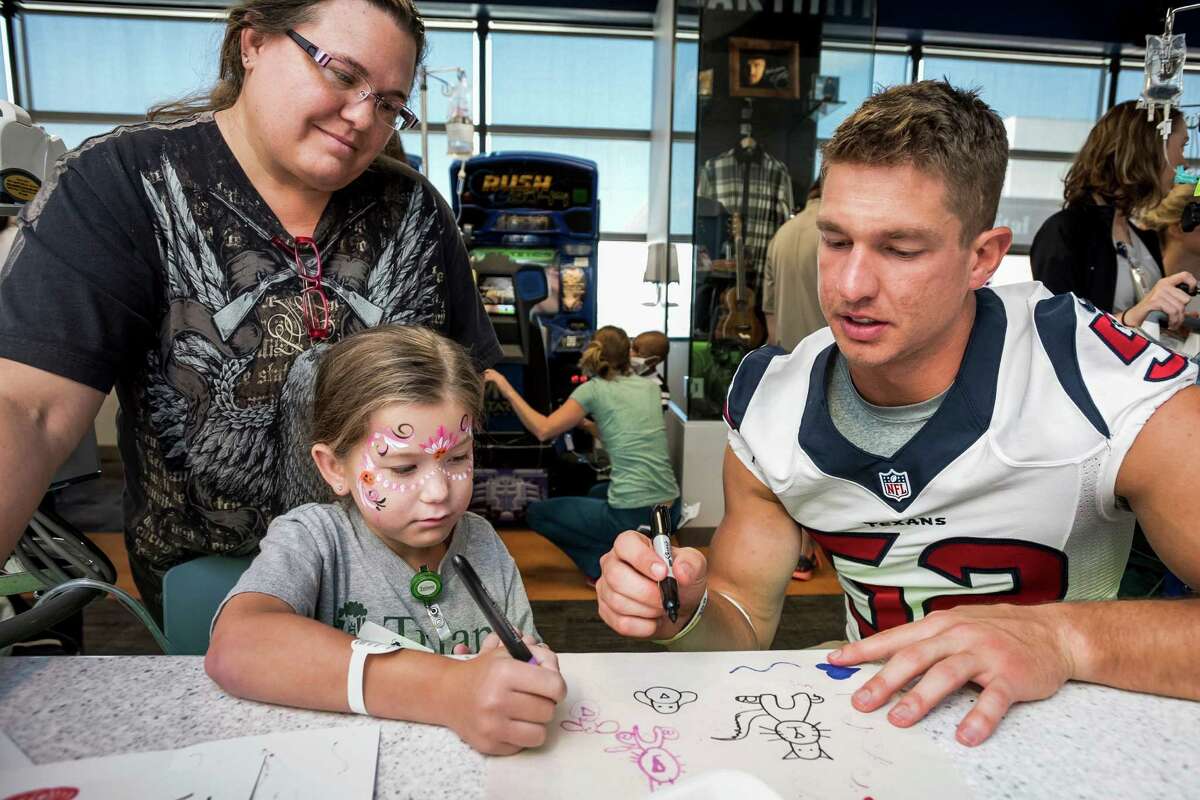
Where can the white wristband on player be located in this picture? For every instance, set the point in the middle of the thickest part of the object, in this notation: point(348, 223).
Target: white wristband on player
point(691, 623)
point(359, 650)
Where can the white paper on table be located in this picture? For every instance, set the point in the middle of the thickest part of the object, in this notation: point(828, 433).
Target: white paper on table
point(328, 762)
point(11, 756)
point(633, 723)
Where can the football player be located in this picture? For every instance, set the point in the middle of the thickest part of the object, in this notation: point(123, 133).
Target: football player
point(969, 457)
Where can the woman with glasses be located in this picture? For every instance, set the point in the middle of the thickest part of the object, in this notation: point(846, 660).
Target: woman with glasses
point(200, 261)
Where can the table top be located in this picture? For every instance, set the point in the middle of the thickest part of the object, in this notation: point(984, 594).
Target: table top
point(1086, 741)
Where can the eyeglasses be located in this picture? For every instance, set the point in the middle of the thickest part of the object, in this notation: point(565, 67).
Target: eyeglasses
point(344, 77)
point(314, 304)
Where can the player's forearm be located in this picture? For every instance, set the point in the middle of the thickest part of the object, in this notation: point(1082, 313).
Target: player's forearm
point(286, 659)
point(1143, 645)
point(724, 627)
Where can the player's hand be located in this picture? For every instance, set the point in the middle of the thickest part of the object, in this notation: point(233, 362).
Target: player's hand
point(628, 594)
point(499, 705)
point(1164, 296)
point(1014, 652)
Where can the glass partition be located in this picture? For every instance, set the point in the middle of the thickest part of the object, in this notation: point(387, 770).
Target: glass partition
point(755, 92)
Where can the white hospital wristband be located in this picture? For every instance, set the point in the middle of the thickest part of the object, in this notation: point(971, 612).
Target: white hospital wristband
point(691, 623)
point(359, 650)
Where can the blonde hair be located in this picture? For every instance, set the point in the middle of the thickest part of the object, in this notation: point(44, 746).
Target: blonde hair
point(377, 367)
point(936, 127)
point(607, 355)
point(1121, 162)
point(276, 17)
point(1169, 210)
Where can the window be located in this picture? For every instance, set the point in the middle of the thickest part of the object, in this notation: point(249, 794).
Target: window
point(439, 161)
point(683, 187)
point(859, 73)
point(687, 54)
point(445, 49)
point(112, 65)
point(73, 134)
point(570, 81)
point(1063, 91)
point(1130, 80)
point(625, 300)
point(623, 166)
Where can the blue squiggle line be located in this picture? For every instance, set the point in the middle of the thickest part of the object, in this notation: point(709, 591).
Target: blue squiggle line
point(768, 669)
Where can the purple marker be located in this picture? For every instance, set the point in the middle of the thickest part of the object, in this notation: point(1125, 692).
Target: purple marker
point(509, 635)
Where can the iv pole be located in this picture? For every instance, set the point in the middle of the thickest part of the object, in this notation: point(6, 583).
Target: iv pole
point(1163, 50)
point(424, 89)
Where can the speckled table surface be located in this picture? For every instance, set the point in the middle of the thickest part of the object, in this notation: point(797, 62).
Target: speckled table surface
point(1086, 742)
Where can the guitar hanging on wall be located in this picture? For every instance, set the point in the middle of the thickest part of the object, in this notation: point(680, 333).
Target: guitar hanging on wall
point(738, 321)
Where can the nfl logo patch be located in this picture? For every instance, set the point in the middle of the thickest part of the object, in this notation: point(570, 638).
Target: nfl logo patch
point(895, 484)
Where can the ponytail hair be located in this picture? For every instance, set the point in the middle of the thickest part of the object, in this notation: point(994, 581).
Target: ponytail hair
point(607, 355)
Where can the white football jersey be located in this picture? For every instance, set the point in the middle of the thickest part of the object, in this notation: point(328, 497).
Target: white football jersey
point(1006, 495)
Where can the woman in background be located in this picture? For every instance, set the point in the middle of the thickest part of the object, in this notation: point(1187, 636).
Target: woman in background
point(1092, 247)
point(628, 413)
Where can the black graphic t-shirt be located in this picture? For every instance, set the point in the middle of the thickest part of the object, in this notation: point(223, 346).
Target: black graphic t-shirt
point(147, 261)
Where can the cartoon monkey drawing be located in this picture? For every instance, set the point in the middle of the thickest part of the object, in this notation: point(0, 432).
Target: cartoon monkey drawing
point(663, 699)
point(791, 723)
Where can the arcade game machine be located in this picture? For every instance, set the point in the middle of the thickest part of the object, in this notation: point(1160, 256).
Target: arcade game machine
point(524, 214)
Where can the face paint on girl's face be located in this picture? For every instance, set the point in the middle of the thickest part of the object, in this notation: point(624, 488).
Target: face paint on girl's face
point(413, 474)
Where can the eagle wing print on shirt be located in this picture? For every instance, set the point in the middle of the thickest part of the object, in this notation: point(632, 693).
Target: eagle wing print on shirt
point(392, 285)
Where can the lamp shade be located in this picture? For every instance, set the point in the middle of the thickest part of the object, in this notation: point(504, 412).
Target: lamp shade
point(662, 263)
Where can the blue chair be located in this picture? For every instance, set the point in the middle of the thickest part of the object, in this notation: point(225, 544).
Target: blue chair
point(191, 594)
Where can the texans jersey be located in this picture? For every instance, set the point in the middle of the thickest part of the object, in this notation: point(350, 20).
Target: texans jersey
point(1005, 495)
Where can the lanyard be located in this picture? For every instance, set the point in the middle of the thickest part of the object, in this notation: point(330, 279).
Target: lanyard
point(426, 586)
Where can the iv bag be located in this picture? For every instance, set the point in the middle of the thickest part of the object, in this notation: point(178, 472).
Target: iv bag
point(1164, 70)
point(460, 131)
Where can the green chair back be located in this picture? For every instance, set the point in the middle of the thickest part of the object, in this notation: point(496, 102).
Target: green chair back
point(191, 594)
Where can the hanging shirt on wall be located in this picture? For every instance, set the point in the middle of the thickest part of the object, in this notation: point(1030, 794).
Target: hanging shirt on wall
point(767, 201)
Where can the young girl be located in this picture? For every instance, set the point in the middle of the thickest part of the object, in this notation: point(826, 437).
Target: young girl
point(393, 413)
point(629, 418)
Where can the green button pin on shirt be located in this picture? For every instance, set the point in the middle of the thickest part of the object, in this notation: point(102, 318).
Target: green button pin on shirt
point(426, 585)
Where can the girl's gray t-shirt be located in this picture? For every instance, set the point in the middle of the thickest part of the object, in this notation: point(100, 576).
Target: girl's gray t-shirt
point(323, 561)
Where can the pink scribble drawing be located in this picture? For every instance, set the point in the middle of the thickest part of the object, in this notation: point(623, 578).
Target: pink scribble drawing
point(584, 720)
point(660, 766)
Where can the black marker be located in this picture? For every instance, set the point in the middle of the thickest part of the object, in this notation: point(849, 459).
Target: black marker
point(660, 524)
point(509, 635)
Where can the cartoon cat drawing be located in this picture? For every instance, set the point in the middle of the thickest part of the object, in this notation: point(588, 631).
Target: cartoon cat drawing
point(791, 723)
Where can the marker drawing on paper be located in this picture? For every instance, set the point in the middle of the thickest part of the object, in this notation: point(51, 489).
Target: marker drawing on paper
point(791, 723)
point(657, 763)
point(664, 699)
point(836, 672)
point(766, 669)
point(584, 719)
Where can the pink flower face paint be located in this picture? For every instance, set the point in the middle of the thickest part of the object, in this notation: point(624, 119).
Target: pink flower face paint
point(377, 484)
point(440, 442)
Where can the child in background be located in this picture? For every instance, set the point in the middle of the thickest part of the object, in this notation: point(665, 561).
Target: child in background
point(646, 352)
point(393, 414)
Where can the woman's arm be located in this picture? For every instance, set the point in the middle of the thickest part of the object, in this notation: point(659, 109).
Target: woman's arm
point(564, 418)
point(262, 650)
